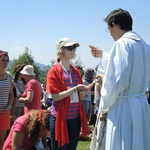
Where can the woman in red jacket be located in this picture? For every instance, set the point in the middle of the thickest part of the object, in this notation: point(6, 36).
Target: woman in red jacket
point(64, 82)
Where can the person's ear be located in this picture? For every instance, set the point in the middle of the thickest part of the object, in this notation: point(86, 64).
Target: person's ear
point(113, 24)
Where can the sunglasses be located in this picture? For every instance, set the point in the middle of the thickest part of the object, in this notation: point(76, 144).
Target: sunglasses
point(4, 60)
point(69, 48)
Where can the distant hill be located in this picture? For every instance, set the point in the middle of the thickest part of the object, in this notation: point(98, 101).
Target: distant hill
point(42, 66)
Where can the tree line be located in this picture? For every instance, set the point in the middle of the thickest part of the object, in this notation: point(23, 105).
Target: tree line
point(27, 59)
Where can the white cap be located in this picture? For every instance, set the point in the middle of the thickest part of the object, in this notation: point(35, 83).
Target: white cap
point(65, 42)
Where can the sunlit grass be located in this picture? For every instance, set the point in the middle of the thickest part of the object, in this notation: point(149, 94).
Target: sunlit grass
point(83, 145)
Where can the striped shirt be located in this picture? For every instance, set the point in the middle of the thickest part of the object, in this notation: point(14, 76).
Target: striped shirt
point(70, 80)
point(4, 91)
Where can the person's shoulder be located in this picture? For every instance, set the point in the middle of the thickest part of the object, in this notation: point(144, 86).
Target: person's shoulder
point(54, 68)
point(21, 119)
point(147, 45)
point(9, 75)
point(20, 124)
point(76, 70)
point(34, 81)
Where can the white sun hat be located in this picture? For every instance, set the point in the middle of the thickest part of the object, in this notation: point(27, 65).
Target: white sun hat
point(28, 70)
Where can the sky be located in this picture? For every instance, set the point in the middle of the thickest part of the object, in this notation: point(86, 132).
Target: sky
point(38, 24)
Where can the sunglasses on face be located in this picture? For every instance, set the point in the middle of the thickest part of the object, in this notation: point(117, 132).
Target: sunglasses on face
point(4, 60)
point(70, 48)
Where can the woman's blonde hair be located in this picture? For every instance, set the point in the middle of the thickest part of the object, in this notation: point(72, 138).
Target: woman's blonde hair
point(60, 53)
point(34, 120)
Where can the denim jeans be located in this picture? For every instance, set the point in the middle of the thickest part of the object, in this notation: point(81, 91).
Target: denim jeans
point(73, 126)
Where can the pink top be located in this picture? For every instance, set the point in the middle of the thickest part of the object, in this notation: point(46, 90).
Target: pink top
point(33, 85)
point(20, 126)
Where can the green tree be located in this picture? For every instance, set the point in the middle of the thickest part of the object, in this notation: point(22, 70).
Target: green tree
point(27, 59)
point(77, 61)
point(43, 74)
point(52, 62)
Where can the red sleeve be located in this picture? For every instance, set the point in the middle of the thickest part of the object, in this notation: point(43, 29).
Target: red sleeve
point(30, 86)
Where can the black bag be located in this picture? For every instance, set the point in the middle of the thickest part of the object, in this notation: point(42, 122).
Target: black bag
point(93, 120)
point(48, 141)
point(33, 148)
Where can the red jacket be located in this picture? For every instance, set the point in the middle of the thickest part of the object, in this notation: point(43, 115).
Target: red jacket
point(55, 84)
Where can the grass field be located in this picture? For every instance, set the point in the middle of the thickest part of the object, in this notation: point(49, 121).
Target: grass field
point(83, 145)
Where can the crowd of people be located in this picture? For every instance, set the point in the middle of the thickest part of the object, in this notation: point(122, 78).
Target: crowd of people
point(115, 94)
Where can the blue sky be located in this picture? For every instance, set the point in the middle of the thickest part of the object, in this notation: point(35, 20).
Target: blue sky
point(38, 24)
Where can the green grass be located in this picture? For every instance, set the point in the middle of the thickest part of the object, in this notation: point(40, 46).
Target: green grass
point(83, 145)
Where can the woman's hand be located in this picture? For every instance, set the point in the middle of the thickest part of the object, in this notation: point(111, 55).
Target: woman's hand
point(81, 87)
point(21, 100)
point(95, 51)
point(100, 78)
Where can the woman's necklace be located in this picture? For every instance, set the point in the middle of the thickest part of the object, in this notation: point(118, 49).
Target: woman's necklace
point(67, 72)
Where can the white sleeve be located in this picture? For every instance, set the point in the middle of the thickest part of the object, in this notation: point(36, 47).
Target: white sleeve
point(103, 63)
point(96, 93)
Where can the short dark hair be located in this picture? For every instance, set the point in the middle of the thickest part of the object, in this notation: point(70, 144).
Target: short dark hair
point(120, 17)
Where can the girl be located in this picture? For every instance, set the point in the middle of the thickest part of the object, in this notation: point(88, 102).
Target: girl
point(64, 82)
point(27, 129)
point(6, 96)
